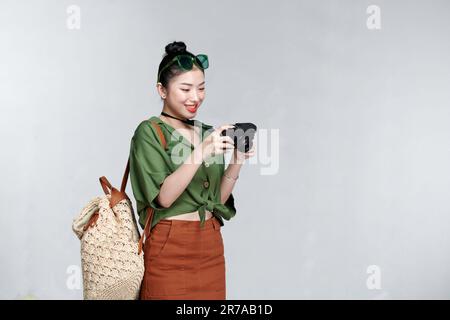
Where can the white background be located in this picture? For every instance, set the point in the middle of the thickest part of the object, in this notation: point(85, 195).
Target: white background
point(363, 119)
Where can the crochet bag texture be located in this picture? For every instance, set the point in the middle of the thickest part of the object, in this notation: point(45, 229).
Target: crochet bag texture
point(111, 249)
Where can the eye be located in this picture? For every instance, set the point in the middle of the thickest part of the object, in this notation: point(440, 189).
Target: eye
point(186, 90)
point(201, 89)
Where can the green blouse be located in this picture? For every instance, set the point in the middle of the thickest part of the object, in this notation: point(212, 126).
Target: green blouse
point(150, 164)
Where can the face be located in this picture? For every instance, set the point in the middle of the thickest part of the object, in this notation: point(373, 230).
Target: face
point(185, 93)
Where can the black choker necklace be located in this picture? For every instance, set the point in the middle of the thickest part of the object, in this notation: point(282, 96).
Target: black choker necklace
point(187, 121)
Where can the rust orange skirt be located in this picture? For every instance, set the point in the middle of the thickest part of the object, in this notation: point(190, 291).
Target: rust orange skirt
point(184, 261)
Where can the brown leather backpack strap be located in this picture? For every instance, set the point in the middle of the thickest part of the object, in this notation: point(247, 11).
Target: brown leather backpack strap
point(116, 196)
point(161, 135)
point(147, 229)
point(150, 210)
point(125, 177)
point(107, 187)
point(127, 169)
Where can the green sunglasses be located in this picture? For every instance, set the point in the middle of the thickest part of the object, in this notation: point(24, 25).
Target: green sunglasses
point(186, 62)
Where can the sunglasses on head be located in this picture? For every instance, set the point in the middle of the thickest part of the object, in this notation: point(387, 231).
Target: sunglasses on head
point(186, 62)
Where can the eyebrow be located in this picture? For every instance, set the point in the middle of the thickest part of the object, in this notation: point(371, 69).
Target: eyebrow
point(190, 84)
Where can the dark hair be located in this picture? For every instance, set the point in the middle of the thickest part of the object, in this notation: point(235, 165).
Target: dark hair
point(172, 49)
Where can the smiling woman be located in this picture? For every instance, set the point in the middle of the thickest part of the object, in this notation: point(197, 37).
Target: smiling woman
point(184, 253)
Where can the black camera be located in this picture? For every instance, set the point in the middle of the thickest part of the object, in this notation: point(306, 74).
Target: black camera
point(242, 135)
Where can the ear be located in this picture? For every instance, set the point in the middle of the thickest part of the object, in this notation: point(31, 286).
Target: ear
point(161, 90)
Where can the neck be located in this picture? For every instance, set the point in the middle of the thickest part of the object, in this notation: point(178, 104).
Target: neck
point(175, 120)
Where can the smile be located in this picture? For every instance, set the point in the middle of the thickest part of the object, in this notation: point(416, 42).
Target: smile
point(191, 108)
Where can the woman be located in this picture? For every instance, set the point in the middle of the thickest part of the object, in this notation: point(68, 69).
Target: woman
point(185, 183)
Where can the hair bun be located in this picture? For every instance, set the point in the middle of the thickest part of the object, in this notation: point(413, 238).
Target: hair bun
point(175, 47)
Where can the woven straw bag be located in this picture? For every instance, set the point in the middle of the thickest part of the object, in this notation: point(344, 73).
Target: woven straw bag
point(111, 248)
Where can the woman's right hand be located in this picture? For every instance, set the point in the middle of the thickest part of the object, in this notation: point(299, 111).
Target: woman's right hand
point(216, 144)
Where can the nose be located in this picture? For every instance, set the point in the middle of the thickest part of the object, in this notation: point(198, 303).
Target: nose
point(194, 96)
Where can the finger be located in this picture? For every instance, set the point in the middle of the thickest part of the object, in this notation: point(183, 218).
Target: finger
point(224, 140)
point(226, 145)
point(224, 127)
point(227, 139)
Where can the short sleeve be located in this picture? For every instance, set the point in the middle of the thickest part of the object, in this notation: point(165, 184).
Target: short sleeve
point(230, 205)
point(230, 201)
point(149, 165)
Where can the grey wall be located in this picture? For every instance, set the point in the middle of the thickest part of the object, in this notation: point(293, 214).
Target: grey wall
point(362, 116)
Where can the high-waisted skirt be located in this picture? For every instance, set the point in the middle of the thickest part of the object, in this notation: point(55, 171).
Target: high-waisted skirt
point(184, 261)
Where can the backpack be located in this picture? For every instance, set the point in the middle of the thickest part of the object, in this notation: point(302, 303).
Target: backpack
point(111, 247)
